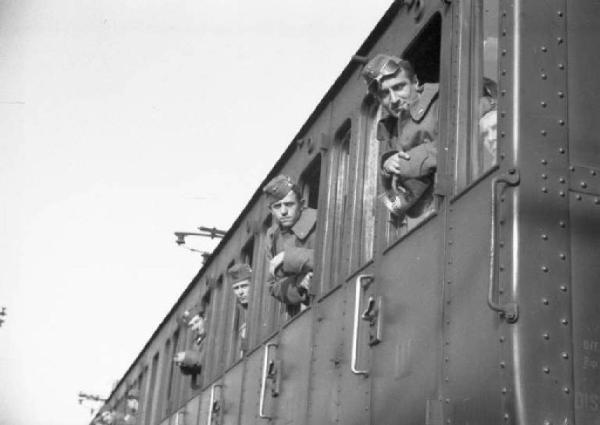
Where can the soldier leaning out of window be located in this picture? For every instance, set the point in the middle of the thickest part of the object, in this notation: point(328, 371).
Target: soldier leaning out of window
point(290, 243)
point(190, 361)
point(409, 128)
point(240, 276)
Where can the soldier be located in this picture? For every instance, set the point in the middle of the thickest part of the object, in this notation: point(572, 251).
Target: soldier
point(240, 276)
point(290, 243)
point(488, 121)
point(409, 127)
point(131, 407)
point(190, 361)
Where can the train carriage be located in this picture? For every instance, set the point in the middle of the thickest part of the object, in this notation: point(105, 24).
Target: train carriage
point(484, 310)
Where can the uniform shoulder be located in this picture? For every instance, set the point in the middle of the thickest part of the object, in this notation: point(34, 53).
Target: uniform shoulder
point(306, 223)
point(427, 97)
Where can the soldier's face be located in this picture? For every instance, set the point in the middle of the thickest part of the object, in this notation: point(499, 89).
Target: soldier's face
point(287, 210)
point(487, 129)
point(241, 290)
point(197, 325)
point(132, 404)
point(397, 93)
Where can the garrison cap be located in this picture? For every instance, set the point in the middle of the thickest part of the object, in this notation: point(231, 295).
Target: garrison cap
point(133, 393)
point(239, 272)
point(378, 68)
point(279, 187)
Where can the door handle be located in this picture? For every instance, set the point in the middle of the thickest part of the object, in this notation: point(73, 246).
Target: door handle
point(374, 314)
point(510, 310)
point(361, 280)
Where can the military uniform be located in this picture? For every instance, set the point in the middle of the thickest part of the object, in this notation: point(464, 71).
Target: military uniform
point(416, 133)
point(298, 244)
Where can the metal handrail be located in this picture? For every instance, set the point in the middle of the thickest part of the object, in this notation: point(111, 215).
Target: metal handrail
point(263, 382)
point(211, 405)
point(357, 299)
point(510, 310)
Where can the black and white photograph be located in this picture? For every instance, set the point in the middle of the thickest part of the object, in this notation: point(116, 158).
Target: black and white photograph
point(381, 212)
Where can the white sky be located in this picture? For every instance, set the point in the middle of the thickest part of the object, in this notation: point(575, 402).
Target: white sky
point(122, 121)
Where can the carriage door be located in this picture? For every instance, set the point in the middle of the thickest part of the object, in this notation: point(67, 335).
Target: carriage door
point(475, 310)
point(403, 315)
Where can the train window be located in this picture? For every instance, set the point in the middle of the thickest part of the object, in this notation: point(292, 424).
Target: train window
point(137, 406)
point(371, 115)
point(340, 185)
point(148, 416)
point(166, 372)
point(237, 333)
point(270, 311)
point(477, 153)
point(214, 361)
point(171, 382)
point(248, 253)
point(424, 55)
point(309, 182)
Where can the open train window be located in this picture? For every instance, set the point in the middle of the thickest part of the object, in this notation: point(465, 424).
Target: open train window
point(381, 133)
point(309, 183)
point(477, 151)
point(248, 253)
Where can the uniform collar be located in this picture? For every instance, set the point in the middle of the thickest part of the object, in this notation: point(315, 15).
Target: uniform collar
point(305, 224)
point(421, 106)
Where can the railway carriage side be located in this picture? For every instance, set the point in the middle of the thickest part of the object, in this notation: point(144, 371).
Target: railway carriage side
point(483, 309)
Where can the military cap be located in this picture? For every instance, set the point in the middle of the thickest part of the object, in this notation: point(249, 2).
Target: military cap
point(239, 272)
point(133, 393)
point(279, 187)
point(382, 66)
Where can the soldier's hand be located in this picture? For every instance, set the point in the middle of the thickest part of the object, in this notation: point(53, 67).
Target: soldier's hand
point(305, 283)
point(179, 358)
point(393, 165)
point(276, 262)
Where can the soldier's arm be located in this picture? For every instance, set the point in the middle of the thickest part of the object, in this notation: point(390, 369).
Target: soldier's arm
point(423, 160)
point(298, 260)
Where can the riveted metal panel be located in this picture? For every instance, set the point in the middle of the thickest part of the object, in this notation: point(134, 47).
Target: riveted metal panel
point(473, 333)
point(294, 354)
point(585, 179)
point(191, 410)
point(585, 272)
point(354, 389)
point(541, 339)
point(327, 357)
point(231, 394)
point(404, 365)
point(251, 388)
point(583, 17)
point(203, 408)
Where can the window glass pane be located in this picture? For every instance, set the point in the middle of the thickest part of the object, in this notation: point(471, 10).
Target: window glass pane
point(342, 169)
point(485, 70)
point(370, 182)
point(309, 182)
